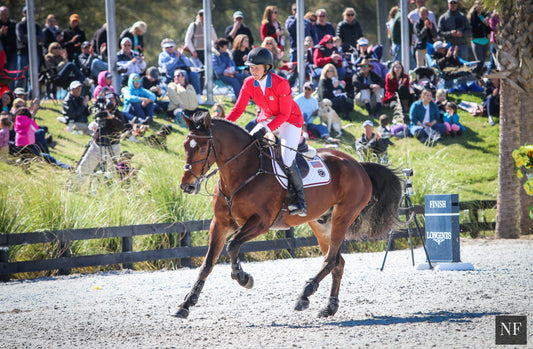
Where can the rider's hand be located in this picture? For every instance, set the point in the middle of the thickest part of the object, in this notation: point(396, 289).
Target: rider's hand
point(259, 134)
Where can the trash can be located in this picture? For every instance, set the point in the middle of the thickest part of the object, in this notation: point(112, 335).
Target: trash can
point(442, 227)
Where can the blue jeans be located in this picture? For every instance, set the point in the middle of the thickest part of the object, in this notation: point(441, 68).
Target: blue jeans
point(235, 82)
point(194, 78)
point(11, 64)
point(23, 62)
point(69, 73)
point(320, 130)
point(145, 114)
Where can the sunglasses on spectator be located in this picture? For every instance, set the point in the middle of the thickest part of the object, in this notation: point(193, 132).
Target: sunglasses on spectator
point(321, 15)
point(308, 89)
point(329, 42)
point(350, 14)
point(137, 80)
point(218, 111)
point(453, 3)
point(268, 43)
point(180, 74)
point(128, 44)
point(366, 66)
point(20, 106)
point(239, 18)
point(201, 14)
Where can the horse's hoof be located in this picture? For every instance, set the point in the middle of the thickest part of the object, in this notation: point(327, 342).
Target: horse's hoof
point(302, 304)
point(250, 283)
point(182, 313)
point(331, 309)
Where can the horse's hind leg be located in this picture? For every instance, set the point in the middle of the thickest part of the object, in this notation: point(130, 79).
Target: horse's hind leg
point(250, 230)
point(333, 303)
point(217, 238)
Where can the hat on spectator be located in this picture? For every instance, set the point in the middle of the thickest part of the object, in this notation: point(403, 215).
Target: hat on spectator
point(237, 14)
point(85, 44)
point(24, 9)
point(167, 43)
point(19, 91)
point(438, 45)
point(180, 71)
point(362, 42)
point(108, 75)
point(125, 40)
point(366, 62)
point(74, 84)
point(201, 11)
point(310, 85)
point(368, 123)
point(74, 17)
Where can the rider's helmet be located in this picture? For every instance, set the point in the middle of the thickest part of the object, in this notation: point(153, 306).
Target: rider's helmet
point(260, 55)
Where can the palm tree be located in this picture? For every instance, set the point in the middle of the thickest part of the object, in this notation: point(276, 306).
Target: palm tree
point(515, 68)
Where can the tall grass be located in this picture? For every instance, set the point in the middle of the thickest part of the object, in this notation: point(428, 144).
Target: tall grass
point(40, 197)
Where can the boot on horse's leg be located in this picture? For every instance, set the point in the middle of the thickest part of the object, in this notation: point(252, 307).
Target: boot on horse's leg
point(297, 204)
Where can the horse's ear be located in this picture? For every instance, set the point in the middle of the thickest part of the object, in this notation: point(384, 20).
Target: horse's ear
point(187, 120)
point(207, 120)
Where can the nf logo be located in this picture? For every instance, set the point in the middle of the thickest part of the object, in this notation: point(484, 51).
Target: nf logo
point(511, 330)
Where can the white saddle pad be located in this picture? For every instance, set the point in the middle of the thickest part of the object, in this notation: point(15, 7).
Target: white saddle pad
point(318, 173)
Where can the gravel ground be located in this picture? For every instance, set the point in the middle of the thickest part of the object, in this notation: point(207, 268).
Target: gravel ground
point(397, 308)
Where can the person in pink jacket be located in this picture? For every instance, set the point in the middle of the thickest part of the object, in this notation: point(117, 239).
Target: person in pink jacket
point(273, 95)
point(25, 128)
point(104, 80)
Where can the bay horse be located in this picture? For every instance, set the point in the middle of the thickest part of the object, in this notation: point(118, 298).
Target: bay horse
point(361, 198)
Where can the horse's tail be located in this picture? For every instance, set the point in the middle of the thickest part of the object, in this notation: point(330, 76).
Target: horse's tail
point(381, 213)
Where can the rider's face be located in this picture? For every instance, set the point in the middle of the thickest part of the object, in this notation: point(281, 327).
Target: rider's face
point(257, 71)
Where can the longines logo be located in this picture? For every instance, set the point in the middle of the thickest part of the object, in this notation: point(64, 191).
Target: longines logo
point(511, 329)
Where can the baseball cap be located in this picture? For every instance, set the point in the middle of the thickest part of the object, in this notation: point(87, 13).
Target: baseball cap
point(362, 42)
point(85, 44)
point(449, 1)
point(74, 84)
point(74, 17)
point(108, 75)
point(368, 123)
point(438, 45)
point(124, 40)
point(19, 91)
point(201, 11)
point(310, 85)
point(237, 14)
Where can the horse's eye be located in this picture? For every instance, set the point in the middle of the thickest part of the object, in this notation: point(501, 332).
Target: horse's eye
point(187, 167)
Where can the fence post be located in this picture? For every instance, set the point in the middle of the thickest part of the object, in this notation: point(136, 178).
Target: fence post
point(186, 242)
point(64, 252)
point(289, 234)
point(127, 246)
point(4, 258)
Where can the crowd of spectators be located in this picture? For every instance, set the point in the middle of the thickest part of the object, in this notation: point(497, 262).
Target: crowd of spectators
point(340, 65)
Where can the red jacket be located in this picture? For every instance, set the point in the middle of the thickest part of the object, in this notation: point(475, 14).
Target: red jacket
point(322, 55)
point(277, 102)
point(392, 85)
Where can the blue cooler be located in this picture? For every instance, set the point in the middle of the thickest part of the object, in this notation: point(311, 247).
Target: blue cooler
point(442, 227)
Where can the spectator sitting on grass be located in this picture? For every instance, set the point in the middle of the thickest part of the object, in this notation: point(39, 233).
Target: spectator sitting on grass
point(76, 109)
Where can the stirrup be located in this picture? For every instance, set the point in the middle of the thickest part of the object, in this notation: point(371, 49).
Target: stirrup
point(297, 210)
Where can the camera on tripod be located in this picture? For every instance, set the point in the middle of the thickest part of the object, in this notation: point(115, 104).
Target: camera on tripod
point(408, 172)
point(102, 106)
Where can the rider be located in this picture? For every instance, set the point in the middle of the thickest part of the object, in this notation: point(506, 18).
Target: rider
point(273, 95)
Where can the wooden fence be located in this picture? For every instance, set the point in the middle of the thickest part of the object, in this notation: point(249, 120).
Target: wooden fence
point(64, 261)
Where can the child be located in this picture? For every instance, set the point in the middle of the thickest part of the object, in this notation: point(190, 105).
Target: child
point(384, 130)
point(451, 120)
point(441, 99)
point(218, 110)
point(124, 168)
point(5, 125)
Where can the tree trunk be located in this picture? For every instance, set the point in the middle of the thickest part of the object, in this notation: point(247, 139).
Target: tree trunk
point(526, 136)
point(508, 211)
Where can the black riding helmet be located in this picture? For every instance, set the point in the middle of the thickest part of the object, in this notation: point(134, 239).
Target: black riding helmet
point(260, 55)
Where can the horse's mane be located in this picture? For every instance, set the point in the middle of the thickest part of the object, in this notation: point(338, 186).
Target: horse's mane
point(198, 121)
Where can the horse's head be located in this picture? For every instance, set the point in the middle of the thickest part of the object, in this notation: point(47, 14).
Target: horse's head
point(199, 152)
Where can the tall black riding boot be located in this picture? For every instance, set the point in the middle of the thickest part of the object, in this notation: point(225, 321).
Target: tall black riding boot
point(297, 204)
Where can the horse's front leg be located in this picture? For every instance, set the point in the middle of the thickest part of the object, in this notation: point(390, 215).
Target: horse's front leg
point(217, 238)
point(250, 230)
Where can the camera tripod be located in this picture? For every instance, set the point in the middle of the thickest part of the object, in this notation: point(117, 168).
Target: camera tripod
point(407, 208)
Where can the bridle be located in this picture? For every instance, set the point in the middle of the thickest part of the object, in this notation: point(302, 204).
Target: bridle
point(205, 167)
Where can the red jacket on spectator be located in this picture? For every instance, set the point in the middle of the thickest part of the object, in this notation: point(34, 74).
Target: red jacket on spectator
point(276, 103)
point(322, 54)
point(392, 84)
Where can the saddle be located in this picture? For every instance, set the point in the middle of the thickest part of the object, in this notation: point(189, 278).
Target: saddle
point(313, 170)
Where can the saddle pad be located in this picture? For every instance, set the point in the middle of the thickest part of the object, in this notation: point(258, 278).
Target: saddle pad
point(318, 173)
